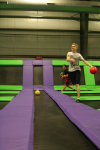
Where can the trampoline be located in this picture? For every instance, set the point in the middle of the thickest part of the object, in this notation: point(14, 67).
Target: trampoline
point(52, 120)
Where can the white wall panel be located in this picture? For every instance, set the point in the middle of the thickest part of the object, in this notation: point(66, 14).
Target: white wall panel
point(94, 44)
point(94, 16)
point(6, 23)
point(39, 24)
point(94, 26)
point(39, 13)
point(49, 24)
point(26, 23)
point(37, 1)
point(70, 25)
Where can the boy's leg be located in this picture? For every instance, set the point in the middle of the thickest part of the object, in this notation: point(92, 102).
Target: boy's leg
point(70, 87)
point(63, 88)
point(78, 76)
point(78, 91)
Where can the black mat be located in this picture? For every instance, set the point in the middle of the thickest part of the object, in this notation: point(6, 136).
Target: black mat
point(11, 75)
point(3, 104)
point(53, 130)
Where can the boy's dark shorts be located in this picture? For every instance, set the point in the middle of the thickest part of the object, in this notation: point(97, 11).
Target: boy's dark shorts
point(75, 77)
point(68, 81)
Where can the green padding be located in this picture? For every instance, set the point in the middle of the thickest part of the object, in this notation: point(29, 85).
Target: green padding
point(6, 98)
point(98, 109)
point(88, 98)
point(59, 62)
point(11, 87)
point(89, 78)
point(9, 92)
point(96, 63)
point(11, 62)
point(44, 7)
point(65, 92)
point(81, 63)
point(60, 87)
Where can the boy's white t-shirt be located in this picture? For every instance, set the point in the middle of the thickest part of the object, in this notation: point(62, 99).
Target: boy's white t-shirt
point(74, 66)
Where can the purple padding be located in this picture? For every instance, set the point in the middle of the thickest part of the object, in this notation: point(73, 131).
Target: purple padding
point(15, 112)
point(13, 145)
point(37, 62)
point(47, 62)
point(48, 75)
point(14, 129)
point(16, 122)
point(84, 117)
point(38, 87)
point(94, 131)
point(27, 62)
point(27, 75)
point(84, 113)
point(48, 87)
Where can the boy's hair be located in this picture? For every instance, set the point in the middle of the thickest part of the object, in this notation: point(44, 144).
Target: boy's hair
point(75, 45)
point(65, 65)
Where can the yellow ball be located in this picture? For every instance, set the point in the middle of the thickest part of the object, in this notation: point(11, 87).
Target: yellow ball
point(37, 92)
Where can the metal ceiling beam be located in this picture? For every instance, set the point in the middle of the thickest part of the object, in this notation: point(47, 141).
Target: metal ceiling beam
point(56, 8)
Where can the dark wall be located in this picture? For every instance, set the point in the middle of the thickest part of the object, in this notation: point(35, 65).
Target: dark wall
point(11, 75)
point(97, 77)
point(37, 75)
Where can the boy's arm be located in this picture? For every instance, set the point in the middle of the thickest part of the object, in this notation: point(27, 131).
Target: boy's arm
point(65, 75)
point(86, 63)
point(70, 59)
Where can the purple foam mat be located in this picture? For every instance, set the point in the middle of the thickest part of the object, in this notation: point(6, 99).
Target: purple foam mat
point(85, 117)
point(47, 62)
point(48, 87)
point(90, 121)
point(48, 75)
point(38, 87)
point(16, 129)
point(14, 145)
point(27, 75)
point(84, 113)
point(17, 112)
point(92, 133)
point(27, 62)
point(37, 62)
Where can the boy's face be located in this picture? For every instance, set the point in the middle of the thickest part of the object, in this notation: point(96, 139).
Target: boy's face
point(64, 67)
point(74, 48)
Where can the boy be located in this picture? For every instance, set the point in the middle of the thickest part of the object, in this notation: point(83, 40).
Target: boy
point(68, 80)
point(74, 68)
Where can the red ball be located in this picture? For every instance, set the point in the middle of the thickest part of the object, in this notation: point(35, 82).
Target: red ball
point(63, 77)
point(93, 70)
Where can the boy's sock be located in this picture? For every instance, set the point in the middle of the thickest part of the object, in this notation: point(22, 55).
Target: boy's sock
point(78, 100)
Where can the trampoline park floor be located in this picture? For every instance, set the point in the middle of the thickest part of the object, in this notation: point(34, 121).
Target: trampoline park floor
point(53, 130)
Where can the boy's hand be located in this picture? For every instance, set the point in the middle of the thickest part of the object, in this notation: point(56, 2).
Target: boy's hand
point(61, 75)
point(72, 60)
